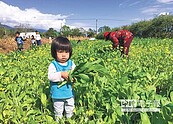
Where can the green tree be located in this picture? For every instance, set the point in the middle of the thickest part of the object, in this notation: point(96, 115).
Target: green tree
point(162, 26)
point(76, 32)
point(51, 33)
point(90, 32)
point(141, 29)
point(5, 32)
point(116, 29)
point(159, 27)
point(104, 28)
point(2, 32)
point(100, 35)
point(65, 31)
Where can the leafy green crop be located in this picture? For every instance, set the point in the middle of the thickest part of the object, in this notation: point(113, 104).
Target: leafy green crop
point(85, 72)
point(102, 78)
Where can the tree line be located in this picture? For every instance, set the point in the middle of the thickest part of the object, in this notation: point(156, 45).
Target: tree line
point(159, 27)
point(72, 32)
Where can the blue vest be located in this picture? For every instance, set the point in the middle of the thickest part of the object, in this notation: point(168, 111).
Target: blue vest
point(19, 40)
point(65, 91)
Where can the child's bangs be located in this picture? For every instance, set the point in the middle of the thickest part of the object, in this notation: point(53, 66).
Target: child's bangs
point(64, 47)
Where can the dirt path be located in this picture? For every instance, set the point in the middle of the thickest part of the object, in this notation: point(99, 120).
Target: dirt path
point(9, 44)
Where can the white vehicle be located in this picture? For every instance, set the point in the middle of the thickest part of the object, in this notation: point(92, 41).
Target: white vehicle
point(23, 35)
point(27, 34)
point(92, 38)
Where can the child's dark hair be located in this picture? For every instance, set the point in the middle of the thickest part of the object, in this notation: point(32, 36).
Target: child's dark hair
point(60, 43)
point(17, 32)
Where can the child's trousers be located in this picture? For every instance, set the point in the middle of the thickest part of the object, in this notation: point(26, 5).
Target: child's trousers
point(63, 104)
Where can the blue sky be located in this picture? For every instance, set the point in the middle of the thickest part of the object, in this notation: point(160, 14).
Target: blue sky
point(80, 13)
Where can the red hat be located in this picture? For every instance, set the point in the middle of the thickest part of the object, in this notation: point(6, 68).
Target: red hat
point(106, 35)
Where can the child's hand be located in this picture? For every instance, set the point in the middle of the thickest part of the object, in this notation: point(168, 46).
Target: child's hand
point(65, 75)
point(73, 80)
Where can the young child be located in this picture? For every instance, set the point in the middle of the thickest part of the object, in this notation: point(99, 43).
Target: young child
point(62, 97)
point(19, 41)
point(33, 43)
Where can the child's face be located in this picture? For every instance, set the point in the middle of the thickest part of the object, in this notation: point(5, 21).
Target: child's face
point(62, 55)
point(17, 35)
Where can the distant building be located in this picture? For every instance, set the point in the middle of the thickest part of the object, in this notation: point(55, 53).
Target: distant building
point(22, 34)
point(27, 34)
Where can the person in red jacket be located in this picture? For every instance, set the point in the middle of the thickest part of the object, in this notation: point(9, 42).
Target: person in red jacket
point(121, 38)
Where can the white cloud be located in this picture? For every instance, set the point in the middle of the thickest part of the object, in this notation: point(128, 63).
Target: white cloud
point(123, 3)
point(13, 16)
point(134, 3)
point(136, 19)
point(165, 1)
point(81, 25)
point(150, 11)
point(156, 10)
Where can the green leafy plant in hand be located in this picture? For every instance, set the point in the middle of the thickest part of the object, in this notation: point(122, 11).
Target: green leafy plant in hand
point(85, 72)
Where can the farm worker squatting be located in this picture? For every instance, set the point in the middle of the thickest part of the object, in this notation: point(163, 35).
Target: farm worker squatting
point(121, 38)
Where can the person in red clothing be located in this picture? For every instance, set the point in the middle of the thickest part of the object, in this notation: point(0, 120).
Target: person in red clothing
point(121, 38)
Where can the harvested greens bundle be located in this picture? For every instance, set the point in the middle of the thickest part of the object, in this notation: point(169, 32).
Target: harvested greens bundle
point(85, 72)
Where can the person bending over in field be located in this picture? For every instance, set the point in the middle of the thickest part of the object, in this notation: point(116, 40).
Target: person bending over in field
point(62, 97)
point(19, 41)
point(121, 38)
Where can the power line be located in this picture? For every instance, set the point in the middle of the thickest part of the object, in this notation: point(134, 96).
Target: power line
point(80, 19)
point(97, 20)
point(106, 19)
point(91, 19)
point(112, 19)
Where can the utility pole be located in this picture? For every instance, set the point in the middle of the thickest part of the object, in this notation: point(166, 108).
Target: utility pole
point(61, 29)
point(96, 26)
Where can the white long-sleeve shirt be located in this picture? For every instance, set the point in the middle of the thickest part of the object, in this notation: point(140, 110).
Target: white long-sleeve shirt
point(37, 37)
point(55, 76)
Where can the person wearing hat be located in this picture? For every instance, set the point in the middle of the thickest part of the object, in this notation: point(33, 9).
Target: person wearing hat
point(121, 38)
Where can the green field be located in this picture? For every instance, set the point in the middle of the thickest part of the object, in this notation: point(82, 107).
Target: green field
point(147, 76)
